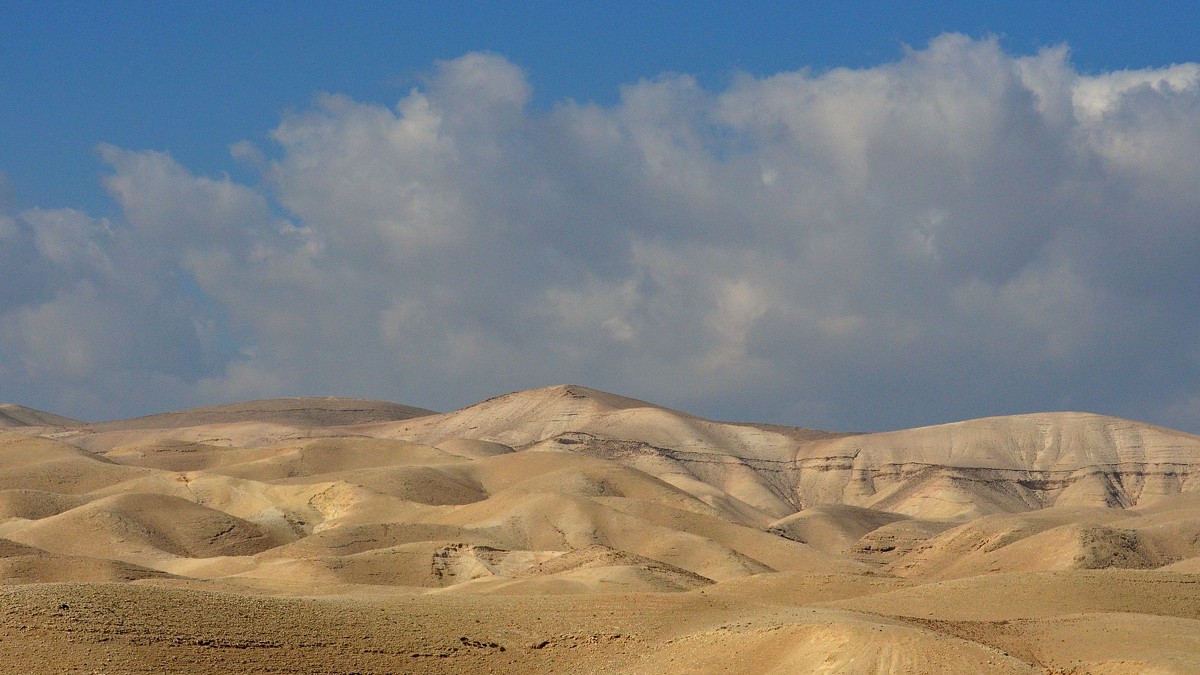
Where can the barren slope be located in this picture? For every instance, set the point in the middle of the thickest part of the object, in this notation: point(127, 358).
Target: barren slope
point(566, 529)
point(13, 415)
point(952, 471)
point(298, 412)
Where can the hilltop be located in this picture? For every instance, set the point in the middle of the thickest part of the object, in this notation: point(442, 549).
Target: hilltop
point(566, 527)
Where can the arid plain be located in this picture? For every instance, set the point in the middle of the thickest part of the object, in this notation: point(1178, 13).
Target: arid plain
point(570, 530)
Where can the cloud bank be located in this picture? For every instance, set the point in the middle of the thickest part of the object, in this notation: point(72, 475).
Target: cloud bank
point(961, 233)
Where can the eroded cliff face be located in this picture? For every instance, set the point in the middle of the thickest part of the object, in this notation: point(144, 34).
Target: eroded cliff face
point(564, 468)
point(949, 492)
point(919, 489)
point(1001, 465)
point(539, 528)
point(947, 472)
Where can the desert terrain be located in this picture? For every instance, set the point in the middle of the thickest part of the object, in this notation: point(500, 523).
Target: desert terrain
point(566, 529)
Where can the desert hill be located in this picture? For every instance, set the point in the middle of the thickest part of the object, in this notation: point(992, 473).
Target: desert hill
point(960, 470)
point(566, 528)
point(297, 412)
point(13, 415)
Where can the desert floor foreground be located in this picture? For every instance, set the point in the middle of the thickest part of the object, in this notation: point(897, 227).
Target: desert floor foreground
point(570, 530)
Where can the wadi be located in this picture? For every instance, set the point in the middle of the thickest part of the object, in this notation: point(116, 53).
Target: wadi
point(566, 529)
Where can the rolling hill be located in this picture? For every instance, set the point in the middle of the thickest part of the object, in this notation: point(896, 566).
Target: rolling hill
point(566, 527)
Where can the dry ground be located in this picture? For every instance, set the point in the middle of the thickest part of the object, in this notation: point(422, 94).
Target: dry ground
point(570, 530)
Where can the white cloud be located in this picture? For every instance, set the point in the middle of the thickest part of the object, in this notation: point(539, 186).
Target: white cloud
point(167, 205)
point(70, 238)
point(241, 381)
point(1099, 96)
point(8, 227)
point(962, 232)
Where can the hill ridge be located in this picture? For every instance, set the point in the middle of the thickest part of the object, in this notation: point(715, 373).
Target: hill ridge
point(16, 415)
point(565, 528)
point(315, 411)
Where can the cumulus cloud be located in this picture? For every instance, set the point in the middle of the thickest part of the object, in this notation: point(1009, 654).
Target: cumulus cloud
point(962, 232)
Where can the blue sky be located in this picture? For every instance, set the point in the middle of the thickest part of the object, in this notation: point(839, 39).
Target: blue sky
point(191, 78)
point(850, 215)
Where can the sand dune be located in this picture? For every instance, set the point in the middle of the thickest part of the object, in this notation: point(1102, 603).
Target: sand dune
point(568, 529)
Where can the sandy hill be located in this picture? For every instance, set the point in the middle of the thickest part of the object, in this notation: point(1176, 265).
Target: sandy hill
point(1002, 464)
point(522, 418)
point(565, 528)
point(13, 415)
point(960, 470)
point(298, 412)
